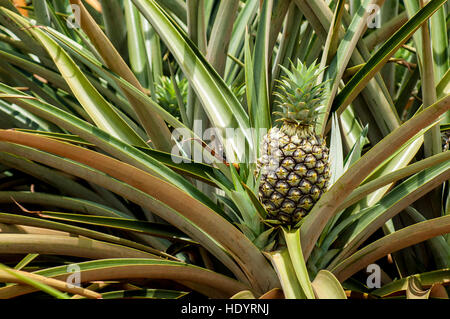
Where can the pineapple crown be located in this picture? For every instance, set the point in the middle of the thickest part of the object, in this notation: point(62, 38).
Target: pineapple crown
point(300, 96)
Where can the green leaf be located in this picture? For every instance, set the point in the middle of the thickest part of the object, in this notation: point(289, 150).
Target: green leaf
point(144, 293)
point(65, 202)
point(378, 59)
point(330, 201)
point(292, 238)
point(191, 215)
point(154, 229)
point(341, 53)
point(426, 279)
point(375, 185)
point(41, 12)
point(256, 203)
point(221, 105)
point(25, 261)
point(336, 151)
point(245, 15)
point(221, 34)
point(155, 127)
point(112, 17)
point(88, 233)
point(209, 282)
point(136, 46)
point(98, 108)
point(103, 140)
point(391, 204)
point(180, 164)
point(326, 286)
point(336, 167)
point(260, 108)
point(356, 151)
point(285, 270)
point(400, 239)
point(38, 285)
point(246, 294)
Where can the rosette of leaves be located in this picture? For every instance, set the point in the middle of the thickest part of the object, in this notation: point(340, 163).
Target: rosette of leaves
point(87, 178)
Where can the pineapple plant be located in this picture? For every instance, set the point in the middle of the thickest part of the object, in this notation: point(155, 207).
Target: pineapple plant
point(87, 178)
point(294, 164)
point(167, 97)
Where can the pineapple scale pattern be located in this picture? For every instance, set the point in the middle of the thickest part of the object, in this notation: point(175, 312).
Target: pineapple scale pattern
point(294, 174)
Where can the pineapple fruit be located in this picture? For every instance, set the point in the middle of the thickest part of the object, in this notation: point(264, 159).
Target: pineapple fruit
point(294, 163)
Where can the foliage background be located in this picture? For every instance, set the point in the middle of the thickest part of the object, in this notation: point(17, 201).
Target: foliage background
point(87, 178)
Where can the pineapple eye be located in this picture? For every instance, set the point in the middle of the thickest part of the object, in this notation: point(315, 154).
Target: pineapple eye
point(306, 203)
point(317, 152)
point(296, 140)
point(299, 155)
point(314, 143)
point(270, 207)
point(288, 163)
point(326, 173)
point(293, 179)
point(289, 149)
point(321, 181)
point(311, 176)
point(282, 172)
point(283, 140)
point(304, 186)
point(282, 187)
point(300, 170)
point(288, 206)
point(307, 148)
point(273, 145)
point(266, 189)
point(271, 178)
point(276, 198)
point(273, 163)
point(298, 214)
point(310, 161)
point(294, 194)
point(315, 193)
point(320, 167)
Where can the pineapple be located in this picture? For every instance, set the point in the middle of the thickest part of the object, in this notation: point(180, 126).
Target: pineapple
point(294, 164)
